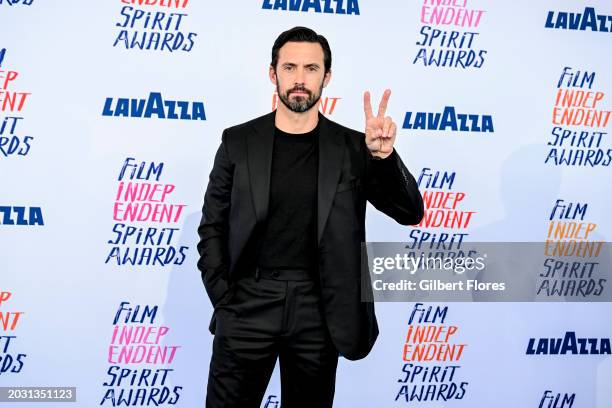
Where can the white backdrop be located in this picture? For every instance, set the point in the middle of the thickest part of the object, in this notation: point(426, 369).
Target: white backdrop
point(64, 277)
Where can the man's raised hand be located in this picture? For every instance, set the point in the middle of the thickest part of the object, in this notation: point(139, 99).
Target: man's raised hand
point(380, 129)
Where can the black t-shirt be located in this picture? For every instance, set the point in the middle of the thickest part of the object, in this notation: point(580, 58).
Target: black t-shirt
point(289, 236)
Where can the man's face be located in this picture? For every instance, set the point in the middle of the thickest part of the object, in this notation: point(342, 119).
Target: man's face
point(300, 75)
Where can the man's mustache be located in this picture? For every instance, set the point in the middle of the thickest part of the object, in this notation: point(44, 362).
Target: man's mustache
point(299, 89)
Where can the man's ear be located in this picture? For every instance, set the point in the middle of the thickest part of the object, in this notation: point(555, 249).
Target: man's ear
point(272, 74)
point(327, 78)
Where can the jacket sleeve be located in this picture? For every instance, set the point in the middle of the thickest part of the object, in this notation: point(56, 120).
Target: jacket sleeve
point(214, 226)
point(392, 189)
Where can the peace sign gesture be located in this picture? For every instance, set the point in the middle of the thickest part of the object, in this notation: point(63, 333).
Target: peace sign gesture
point(380, 129)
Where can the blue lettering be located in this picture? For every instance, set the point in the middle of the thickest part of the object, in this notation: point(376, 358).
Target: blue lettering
point(352, 7)
point(312, 3)
point(448, 118)
point(123, 107)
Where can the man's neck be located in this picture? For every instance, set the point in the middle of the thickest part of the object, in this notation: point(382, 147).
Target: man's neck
point(293, 122)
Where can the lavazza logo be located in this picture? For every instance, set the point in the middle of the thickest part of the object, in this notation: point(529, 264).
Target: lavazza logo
point(315, 6)
point(154, 106)
point(448, 120)
point(587, 20)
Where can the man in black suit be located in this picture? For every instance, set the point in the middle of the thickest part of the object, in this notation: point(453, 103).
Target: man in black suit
point(280, 237)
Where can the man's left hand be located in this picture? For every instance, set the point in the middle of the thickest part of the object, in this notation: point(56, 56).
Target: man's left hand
point(380, 129)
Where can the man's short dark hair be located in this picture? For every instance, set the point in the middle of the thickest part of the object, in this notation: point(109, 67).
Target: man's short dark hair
point(302, 34)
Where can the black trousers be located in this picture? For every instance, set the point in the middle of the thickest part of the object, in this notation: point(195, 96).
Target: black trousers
point(276, 315)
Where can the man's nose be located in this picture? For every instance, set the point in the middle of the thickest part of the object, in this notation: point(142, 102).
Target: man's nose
point(299, 76)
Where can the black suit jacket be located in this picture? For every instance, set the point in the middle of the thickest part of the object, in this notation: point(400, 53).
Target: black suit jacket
point(236, 203)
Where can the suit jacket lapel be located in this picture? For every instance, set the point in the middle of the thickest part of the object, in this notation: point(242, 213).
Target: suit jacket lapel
point(259, 153)
point(330, 163)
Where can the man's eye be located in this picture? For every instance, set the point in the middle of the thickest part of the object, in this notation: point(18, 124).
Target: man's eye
point(312, 69)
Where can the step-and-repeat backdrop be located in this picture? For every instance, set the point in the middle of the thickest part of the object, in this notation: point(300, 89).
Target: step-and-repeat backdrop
point(111, 113)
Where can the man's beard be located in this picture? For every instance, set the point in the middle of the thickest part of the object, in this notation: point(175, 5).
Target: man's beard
point(299, 104)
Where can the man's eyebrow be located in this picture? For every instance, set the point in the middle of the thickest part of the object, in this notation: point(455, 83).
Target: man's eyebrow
point(291, 64)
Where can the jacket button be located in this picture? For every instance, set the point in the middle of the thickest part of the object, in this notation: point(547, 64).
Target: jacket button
point(275, 274)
